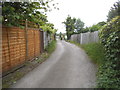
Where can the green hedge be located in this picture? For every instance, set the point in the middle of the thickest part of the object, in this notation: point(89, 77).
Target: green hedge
point(109, 72)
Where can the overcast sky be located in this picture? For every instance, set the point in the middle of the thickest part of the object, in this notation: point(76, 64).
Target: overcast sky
point(89, 11)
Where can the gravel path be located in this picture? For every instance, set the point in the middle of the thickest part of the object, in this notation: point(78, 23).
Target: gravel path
point(67, 67)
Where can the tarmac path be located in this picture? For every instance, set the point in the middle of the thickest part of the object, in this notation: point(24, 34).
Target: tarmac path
point(67, 67)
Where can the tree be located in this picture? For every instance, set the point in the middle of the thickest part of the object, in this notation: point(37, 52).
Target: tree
point(97, 26)
point(114, 11)
point(60, 36)
point(94, 28)
point(70, 26)
point(86, 29)
point(79, 25)
point(13, 13)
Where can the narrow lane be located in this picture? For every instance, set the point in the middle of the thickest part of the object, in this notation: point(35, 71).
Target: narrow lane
point(67, 67)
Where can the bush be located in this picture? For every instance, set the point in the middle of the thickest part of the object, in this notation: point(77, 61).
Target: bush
point(109, 72)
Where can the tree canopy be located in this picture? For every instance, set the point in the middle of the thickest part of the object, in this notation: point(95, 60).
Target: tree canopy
point(114, 11)
point(73, 25)
point(70, 26)
point(97, 26)
point(79, 25)
point(49, 27)
point(15, 12)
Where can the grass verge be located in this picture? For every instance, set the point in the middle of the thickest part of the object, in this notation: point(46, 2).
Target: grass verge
point(95, 51)
point(13, 77)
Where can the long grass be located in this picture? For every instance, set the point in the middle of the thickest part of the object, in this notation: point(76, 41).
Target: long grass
point(95, 51)
point(51, 47)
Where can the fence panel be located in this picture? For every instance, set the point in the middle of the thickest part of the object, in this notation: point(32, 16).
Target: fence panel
point(13, 47)
point(37, 44)
point(30, 42)
point(5, 50)
point(85, 38)
point(15, 44)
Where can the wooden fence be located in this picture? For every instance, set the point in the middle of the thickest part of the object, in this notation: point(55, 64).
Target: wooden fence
point(20, 45)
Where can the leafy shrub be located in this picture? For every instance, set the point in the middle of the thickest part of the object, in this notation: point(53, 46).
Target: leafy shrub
point(109, 72)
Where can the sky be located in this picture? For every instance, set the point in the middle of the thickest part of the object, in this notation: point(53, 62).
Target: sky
point(89, 11)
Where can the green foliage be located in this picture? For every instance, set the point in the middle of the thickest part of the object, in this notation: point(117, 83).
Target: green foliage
point(93, 28)
point(114, 11)
point(96, 27)
point(70, 26)
point(13, 13)
point(95, 51)
point(101, 23)
point(73, 26)
point(86, 29)
point(60, 36)
point(49, 27)
point(109, 72)
point(79, 25)
point(51, 47)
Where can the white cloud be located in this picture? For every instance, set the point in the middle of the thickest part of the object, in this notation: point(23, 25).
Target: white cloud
point(89, 11)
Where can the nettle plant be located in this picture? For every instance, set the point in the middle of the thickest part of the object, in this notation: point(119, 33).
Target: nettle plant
point(109, 72)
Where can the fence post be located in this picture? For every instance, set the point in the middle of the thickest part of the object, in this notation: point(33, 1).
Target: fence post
point(41, 41)
point(26, 37)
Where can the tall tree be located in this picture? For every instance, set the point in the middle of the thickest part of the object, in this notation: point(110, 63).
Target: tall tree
point(70, 26)
point(79, 25)
point(114, 11)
